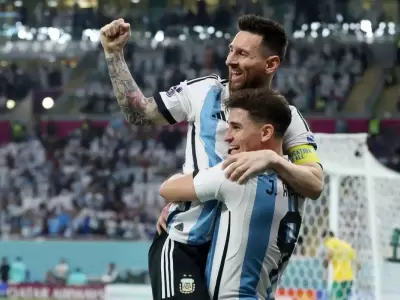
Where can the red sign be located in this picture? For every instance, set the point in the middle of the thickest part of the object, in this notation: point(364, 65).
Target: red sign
point(43, 291)
point(295, 294)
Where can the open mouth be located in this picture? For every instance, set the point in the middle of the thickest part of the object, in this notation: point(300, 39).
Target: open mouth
point(233, 149)
point(235, 75)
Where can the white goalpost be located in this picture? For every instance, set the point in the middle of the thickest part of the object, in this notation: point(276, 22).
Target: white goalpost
point(361, 205)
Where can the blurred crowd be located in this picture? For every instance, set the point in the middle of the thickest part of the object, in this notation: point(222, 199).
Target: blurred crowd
point(314, 79)
point(96, 182)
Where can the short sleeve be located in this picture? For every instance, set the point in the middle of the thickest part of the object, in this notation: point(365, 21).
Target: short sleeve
point(211, 184)
point(298, 133)
point(207, 183)
point(175, 104)
point(184, 101)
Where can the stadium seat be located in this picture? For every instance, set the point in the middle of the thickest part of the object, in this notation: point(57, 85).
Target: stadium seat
point(361, 91)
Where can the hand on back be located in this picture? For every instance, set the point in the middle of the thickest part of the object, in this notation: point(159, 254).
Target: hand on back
point(114, 36)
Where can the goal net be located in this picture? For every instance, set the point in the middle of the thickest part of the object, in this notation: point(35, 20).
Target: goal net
point(361, 205)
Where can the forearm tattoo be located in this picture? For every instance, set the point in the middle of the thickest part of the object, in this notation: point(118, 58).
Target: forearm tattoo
point(131, 100)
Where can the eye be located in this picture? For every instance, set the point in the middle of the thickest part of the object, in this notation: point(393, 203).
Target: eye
point(235, 127)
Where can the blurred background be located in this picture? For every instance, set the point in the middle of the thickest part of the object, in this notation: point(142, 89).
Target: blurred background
point(79, 189)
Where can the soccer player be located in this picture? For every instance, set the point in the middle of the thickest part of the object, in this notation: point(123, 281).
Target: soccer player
point(254, 56)
point(343, 258)
point(260, 220)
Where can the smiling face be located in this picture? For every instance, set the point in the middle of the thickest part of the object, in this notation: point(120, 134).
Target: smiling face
point(244, 134)
point(246, 61)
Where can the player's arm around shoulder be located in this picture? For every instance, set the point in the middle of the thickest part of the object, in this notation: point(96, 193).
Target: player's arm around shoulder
point(200, 185)
point(305, 173)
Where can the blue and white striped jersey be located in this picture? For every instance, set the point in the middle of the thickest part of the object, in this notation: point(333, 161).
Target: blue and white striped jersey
point(255, 236)
point(200, 103)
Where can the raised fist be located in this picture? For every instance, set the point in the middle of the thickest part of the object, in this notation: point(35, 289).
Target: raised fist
point(115, 35)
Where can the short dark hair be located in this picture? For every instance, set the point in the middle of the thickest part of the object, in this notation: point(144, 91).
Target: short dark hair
point(274, 35)
point(263, 105)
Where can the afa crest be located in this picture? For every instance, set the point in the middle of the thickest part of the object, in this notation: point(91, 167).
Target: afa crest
point(187, 285)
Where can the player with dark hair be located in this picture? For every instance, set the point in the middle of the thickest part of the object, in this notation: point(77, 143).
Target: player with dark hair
point(254, 56)
point(260, 220)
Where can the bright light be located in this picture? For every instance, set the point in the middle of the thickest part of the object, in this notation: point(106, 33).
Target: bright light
point(314, 34)
point(47, 103)
point(339, 18)
point(304, 27)
point(198, 28)
point(366, 26)
point(10, 104)
point(210, 30)
point(299, 34)
point(182, 37)
point(315, 26)
point(218, 34)
point(159, 37)
point(22, 34)
point(325, 32)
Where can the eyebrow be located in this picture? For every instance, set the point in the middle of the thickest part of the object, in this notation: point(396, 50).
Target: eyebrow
point(233, 123)
point(239, 48)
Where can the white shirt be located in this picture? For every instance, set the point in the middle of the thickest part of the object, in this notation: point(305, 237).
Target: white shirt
point(200, 102)
point(255, 235)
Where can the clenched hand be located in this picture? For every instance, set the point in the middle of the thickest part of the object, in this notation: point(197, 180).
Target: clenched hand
point(114, 36)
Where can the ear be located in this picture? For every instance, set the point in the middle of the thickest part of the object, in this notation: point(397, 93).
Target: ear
point(272, 64)
point(267, 131)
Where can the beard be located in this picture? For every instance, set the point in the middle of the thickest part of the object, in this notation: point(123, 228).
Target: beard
point(253, 81)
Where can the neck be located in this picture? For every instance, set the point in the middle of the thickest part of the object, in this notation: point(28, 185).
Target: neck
point(275, 146)
point(268, 82)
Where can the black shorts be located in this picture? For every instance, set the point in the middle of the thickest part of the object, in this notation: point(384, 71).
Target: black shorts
point(177, 271)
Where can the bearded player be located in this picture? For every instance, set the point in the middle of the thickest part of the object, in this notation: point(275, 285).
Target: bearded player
point(254, 56)
point(260, 219)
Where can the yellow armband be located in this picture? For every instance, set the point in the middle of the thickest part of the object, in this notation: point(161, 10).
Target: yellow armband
point(303, 154)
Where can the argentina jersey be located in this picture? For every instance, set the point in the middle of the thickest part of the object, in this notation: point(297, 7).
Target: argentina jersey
point(199, 102)
point(256, 233)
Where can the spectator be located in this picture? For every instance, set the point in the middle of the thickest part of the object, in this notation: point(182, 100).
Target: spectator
point(18, 271)
point(77, 277)
point(61, 271)
point(4, 270)
point(111, 274)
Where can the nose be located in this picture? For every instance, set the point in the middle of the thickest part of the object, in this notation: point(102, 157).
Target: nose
point(228, 136)
point(231, 60)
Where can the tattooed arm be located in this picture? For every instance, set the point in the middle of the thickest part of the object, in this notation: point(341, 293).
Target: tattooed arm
point(137, 109)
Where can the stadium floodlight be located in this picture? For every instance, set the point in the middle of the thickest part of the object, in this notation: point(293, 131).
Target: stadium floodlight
point(10, 104)
point(48, 103)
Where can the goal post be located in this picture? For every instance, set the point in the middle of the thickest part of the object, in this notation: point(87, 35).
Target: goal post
point(361, 205)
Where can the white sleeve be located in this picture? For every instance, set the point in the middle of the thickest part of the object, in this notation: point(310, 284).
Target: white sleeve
point(207, 183)
point(175, 104)
point(183, 101)
point(298, 133)
point(211, 184)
